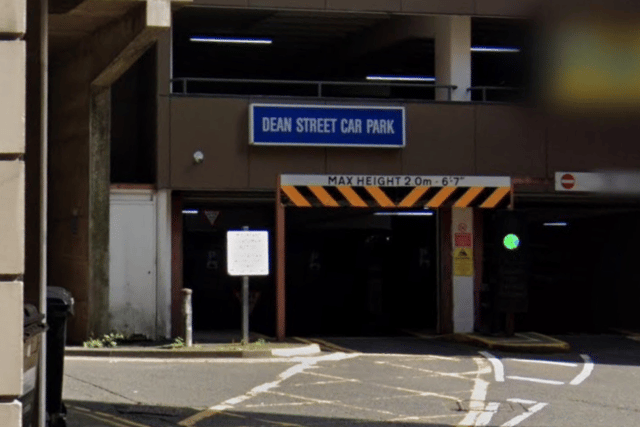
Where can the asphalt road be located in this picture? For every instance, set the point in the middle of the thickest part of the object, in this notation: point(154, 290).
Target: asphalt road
point(376, 381)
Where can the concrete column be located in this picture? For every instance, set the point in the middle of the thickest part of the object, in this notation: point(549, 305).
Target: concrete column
point(453, 56)
point(99, 184)
point(163, 278)
point(462, 271)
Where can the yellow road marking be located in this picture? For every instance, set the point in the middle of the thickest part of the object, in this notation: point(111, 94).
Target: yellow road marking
point(107, 418)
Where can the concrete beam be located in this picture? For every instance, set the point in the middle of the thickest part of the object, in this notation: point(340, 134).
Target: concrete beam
point(148, 28)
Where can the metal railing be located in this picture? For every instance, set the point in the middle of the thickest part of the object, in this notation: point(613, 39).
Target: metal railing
point(319, 85)
point(484, 89)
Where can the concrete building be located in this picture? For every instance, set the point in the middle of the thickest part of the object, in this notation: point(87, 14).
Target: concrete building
point(126, 157)
point(175, 151)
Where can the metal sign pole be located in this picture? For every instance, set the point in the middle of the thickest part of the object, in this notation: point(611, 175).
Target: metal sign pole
point(245, 304)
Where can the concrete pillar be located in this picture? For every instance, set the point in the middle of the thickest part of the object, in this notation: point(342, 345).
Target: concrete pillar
point(453, 56)
point(163, 278)
point(99, 191)
point(463, 270)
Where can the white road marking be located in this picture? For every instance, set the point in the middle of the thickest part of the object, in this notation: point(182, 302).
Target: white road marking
point(536, 380)
point(412, 356)
point(523, 401)
point(168, 361)
point(498, 367)
point(478, 395)
point(520, 418)
point(485, 418)
point(545, 362)
point(418, 392)
point(417, 418)
point(263, 388)
point(586, 370)
point(459, 375)
point(331, 402)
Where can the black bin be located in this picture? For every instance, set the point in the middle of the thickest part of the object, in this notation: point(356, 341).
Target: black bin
point(59, 308)
point(34, 328)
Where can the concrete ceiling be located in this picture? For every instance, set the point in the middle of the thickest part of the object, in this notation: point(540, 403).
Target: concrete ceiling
point(72, 20)
point(315, 45)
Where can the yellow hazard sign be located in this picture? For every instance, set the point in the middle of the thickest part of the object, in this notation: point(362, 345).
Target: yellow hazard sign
point(463, 262)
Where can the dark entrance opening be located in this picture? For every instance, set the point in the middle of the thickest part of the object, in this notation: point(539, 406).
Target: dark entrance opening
point(216, 295)
point(360, 272)
point(584, 269)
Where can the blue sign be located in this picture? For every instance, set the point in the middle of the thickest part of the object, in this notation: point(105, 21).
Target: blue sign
point(326, 126)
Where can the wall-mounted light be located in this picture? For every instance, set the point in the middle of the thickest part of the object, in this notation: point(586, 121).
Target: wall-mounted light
point(198, 157)
point(190, 212)
point(234, 40)
point(495, 49)
point(392, 78)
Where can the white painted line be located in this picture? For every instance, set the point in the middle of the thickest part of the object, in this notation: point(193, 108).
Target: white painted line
point(498, 367)
point(586, 370)
point(535, 380)
point(546, 362)
point(263, 388)
point(520, 418)
point(485, 418)
point(478, 395)
point(437, 373)
point(523, 401)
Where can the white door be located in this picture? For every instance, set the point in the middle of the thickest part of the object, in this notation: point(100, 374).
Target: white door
point(132, 270)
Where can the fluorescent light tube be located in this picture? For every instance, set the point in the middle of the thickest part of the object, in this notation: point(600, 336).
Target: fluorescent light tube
point(555, 224)
point(495, 49)
point(404, 213)
point(237, 40)
point(402, 78)
point(190, 212)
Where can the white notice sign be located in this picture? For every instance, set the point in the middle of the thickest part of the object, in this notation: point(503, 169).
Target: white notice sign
point(248, 253)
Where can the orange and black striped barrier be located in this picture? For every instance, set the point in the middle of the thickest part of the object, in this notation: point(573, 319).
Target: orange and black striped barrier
point(330, 191)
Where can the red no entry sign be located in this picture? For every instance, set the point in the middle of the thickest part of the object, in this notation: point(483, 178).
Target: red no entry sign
point(568, 181)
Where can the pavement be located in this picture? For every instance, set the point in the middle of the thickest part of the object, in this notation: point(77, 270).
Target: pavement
point(205, 345)
point(226, 344)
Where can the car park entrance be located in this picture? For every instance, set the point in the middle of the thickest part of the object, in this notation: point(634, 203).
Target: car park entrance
point(365, 254)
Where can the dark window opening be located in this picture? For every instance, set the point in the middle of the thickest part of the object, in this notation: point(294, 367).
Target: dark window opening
point(133, 123)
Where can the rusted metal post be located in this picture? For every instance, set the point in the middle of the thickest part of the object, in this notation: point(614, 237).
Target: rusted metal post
point(280, 267)
point(187, 312)
point(245, 304)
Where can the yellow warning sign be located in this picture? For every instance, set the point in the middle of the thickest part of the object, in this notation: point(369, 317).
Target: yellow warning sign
point(463, 262)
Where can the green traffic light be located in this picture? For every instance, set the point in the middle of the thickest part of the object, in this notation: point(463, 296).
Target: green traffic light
point(511, 242)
